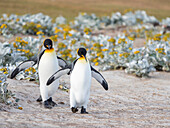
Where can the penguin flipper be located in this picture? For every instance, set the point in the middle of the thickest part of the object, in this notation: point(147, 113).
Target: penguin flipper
point(58, 74)
point(99, 78)
point(24, 65)
point(61, 62)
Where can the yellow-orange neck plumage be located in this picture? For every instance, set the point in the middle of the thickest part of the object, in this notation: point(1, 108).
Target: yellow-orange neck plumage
point(82, 59)
point(49, 50)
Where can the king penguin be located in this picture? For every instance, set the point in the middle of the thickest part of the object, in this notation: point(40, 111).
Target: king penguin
point(80, 80)
point(48, 64)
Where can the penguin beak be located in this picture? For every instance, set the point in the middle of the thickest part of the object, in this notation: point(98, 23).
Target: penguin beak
point(85, 57)
point(48, 46)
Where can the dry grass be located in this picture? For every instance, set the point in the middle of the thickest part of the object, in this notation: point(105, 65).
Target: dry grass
point(71, 8)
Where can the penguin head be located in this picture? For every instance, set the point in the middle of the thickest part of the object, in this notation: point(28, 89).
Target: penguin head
point(82, 52)
point(48, 44)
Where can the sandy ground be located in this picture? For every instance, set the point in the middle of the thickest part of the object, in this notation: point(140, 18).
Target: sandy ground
point(129, 102)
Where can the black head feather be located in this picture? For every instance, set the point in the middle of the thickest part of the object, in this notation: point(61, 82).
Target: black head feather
point(48, 43)
point(82, 52)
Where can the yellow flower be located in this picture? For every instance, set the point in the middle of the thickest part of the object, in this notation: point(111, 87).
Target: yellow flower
point(136, 52)
point(67, 29)
point(164, 53)
point(102, 56)
point(38, 26)
point(92, 48)
point(121, 40)
point(3, 69)
point(31, 69)
point(70, 55)
point(105, 50)
point(61, 45)
point(97, 45)
point(128, 10)
point(23, 42)
point(70, 34)
point(5, 72)
point(112, 40)
point(87, 30)
point(157, 37)
point(17, 19)
point(131, 38)
point(83, 13)
point(65, 35)
point(39, 33)
point(83, 44)
point(95, 60)
point(98, 54)
point(3, 26)
point(15, 45)
point(111, 53)
point(0, 81)
point(27, 51)
point(73, 42)
point(156, 49)
point(57, 30)
point(54, 38)
point(126, 54)
point(120, 55)
point(18, 39)
point(97, 63)
point(165, 38)
point(159, 51)
point(19, 50)
point(130, 48)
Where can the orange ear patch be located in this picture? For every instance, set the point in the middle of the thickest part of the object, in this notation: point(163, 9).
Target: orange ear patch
point(77, 50)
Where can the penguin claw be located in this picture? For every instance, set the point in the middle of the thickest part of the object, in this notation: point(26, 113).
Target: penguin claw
point(83, 110)
point(74, 110)
point(52, 103)
point(84, 113)
point(47, 105)
point(39, 99)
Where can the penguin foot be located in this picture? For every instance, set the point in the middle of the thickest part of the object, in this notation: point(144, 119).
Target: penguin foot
point(47, 105)
point(74, 110)
point(83, 110)
point(51, 102)
point(39, 99)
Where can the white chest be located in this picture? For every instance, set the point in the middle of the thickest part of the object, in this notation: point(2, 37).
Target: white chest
point(48, 65)
point(81, 74)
